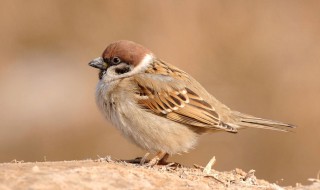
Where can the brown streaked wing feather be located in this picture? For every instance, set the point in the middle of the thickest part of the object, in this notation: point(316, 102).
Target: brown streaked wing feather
point(198, 114)
point(184, 119)
point(175, 101)
point(176, 109)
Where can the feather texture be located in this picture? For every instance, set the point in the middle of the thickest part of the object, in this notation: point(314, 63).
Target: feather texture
point(160, 107)
point(246, 120)
point(167, 95)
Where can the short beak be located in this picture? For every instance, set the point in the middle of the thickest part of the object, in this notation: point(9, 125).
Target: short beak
point(98, 63)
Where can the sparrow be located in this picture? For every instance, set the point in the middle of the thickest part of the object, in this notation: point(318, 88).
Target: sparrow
point(159, 107)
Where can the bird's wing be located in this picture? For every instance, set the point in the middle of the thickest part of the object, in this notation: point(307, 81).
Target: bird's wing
point(170, 97)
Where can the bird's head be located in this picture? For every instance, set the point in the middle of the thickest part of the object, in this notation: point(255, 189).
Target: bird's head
point(122, 59)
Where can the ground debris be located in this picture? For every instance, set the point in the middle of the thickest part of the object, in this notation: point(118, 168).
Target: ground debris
point(103, 159)
point(106, 173)
point(208, 167)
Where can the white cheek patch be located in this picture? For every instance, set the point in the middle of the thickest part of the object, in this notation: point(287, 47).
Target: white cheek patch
point(148, 58)
point(146, 61)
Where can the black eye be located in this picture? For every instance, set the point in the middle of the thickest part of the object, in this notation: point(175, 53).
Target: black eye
point(115, 60)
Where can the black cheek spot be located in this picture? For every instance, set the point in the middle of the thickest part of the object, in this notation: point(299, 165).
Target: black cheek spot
point(122, 70)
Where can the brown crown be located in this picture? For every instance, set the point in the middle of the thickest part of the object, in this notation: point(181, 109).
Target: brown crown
point(128, 51)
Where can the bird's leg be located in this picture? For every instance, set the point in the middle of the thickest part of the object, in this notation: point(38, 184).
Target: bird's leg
point(144, 159)
point(163, 160)
point(159, 158)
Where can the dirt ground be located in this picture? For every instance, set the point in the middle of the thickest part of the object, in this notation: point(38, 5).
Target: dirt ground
point(106, 173)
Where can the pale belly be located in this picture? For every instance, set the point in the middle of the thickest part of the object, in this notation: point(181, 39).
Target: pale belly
point(150, 132)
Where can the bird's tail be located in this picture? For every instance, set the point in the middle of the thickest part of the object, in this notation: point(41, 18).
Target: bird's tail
point(244, 120)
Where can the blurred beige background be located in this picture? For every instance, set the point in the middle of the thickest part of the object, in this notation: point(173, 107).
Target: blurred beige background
point(259, 57)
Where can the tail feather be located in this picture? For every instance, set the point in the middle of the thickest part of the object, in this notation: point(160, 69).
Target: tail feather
point(244, 120)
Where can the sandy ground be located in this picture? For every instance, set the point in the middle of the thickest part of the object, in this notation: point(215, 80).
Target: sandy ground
point(105, 173)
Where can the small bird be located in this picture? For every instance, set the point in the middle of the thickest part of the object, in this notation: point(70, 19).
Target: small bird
point(159, 107)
